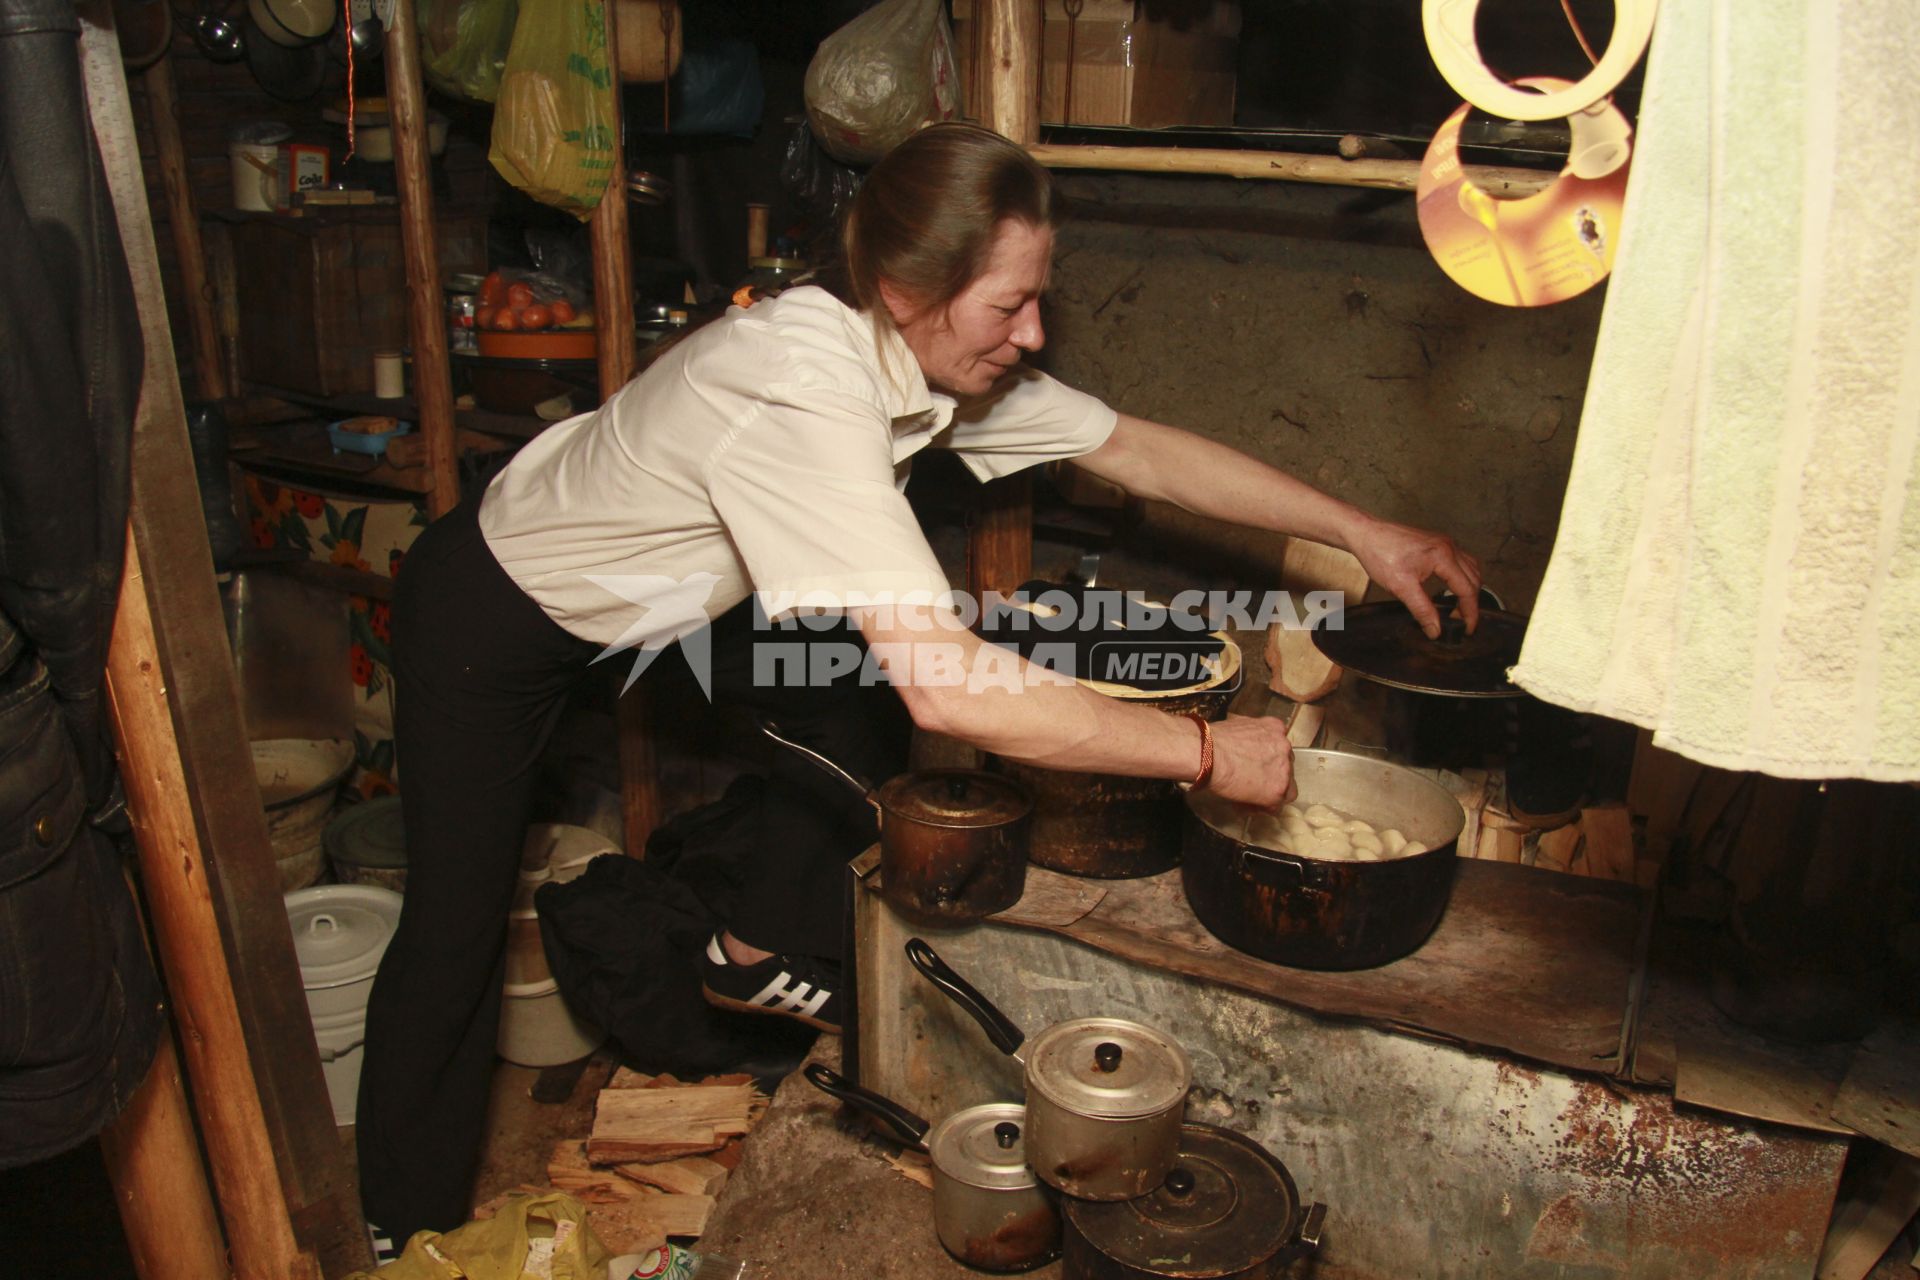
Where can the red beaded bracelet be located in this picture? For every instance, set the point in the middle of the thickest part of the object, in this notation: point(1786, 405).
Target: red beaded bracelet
point(1202, 778)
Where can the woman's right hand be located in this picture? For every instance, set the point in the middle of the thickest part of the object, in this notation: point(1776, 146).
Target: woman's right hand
point(1252, 761)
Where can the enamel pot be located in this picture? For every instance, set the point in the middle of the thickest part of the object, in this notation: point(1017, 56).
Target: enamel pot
point(988, 1210)
point(1105, 1096)
point(1314, 913)
point(953, 842)
point(1228, 1210)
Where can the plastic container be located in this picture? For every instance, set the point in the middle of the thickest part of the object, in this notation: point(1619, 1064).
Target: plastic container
point(253, 151)
point(537, 1029)
point(298, 779)
point(339, 934)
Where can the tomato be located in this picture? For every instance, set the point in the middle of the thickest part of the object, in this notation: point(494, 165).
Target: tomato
point(493, 290)
point(536, 317)
point(563, 312)
point(506, 318)
point(483, 317)
point(519, 295)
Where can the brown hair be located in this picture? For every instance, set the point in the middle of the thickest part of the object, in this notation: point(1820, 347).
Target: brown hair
point(925, 217)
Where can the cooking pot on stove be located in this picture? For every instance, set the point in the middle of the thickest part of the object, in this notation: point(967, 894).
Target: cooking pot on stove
point(988, 1210)
point(1315, 913)
point(1227, 1209)
point(1105, 1096)
point(953, 842)
point(1110, 826)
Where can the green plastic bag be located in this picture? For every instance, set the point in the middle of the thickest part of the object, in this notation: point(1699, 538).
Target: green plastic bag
point(541, 1236)
point(463, 45)
point(553, 121)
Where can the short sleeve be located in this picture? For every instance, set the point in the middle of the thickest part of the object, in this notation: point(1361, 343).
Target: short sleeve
point(1029, 418)
point(806, 492)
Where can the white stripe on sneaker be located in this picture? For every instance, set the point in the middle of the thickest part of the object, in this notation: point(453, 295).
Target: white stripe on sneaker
point(715, 952)
point(792, 999)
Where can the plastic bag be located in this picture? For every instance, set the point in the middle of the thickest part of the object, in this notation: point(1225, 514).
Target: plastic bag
point(822, 184)
point(553, 134)
point(463, 45)
point(543, 1235)
point(880, 77)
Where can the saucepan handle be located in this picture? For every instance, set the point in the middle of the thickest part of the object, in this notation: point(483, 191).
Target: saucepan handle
point(1274, 870)
point(911, 1128)
point(1000, 1029)
point(1311, 1224)
point(860, 785)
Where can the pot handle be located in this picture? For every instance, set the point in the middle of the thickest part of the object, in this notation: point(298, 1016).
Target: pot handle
point(1000, 1029)
point(911, 1128)
point(1275, 870)
point(859, 785)
point(1308, 1236)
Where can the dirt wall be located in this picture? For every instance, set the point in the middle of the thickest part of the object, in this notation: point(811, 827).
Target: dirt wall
point(1309, 327)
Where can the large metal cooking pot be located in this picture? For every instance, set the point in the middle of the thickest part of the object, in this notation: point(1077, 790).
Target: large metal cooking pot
point(953, 842)
point(988, 1210)
point(1105, 1096)
point(1313, 913)
point(1110, 826)
point(1228, 1210)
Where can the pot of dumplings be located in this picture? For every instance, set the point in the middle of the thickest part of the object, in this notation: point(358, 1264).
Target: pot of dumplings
point(1354, 873)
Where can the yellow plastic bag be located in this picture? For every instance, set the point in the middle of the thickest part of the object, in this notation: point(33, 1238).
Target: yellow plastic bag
point(553, 121)
point(530, 1238)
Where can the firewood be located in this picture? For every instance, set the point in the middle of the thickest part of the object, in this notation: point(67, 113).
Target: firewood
point(621, 1210)
point(654, 1124)
point(690, 1175)
point(1609, 842)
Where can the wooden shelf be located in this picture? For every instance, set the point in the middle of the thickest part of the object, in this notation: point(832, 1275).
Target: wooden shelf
point(514, 426)
point(300, 452)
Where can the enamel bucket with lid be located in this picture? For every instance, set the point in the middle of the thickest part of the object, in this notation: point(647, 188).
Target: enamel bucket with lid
point(340, 931)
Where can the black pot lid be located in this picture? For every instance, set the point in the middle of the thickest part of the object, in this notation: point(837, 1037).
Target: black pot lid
point(1383, 643)
point(1227, 1207)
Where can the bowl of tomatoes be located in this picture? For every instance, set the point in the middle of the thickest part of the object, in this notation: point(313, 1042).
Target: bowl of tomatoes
point(527, 316)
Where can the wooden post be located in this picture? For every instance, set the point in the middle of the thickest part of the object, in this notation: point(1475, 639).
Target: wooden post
point(260, 1095)
point(153, 1159)
point(208, 368)
point(426, 310)
point(174, 874)
point(613, 311)
point(1010, 30)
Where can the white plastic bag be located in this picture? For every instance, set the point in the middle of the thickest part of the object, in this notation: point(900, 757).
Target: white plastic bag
point(876, 80)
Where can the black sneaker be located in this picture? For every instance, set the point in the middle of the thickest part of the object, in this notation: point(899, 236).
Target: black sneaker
point(803, 988)
point(383, 1247)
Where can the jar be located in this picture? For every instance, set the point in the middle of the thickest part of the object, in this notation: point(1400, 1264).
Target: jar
point(463, 297)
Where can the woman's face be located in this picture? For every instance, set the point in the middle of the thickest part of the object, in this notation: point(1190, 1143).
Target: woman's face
point(966, 346)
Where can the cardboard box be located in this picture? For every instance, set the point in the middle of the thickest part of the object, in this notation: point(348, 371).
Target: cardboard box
point(1128, 68)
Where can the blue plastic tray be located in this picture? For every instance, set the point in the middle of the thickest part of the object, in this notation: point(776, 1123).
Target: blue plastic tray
point(362, 442)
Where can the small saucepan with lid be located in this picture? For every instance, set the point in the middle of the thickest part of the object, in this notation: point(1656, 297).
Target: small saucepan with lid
point(988, 1210)
point(1105, 1096)
point(1228, 1210)
point(953, 842)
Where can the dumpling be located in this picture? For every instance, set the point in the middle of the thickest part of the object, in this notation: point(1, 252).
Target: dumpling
point(1367, 842)
point(1358, 827)
point(1392, 841)
point(1413, 847)
point(1320, 816)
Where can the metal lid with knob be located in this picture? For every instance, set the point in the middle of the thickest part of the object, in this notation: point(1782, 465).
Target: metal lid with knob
point(1108, 1068)
point(1227, 1207)
point(955, 798)
point(983, 1146)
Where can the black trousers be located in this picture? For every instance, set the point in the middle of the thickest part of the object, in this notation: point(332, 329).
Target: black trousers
point(482, 676)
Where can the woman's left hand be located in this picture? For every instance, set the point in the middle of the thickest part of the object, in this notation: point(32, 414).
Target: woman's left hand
point(1402, 558)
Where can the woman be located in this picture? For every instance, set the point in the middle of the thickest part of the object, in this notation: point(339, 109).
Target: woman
point(763, 458)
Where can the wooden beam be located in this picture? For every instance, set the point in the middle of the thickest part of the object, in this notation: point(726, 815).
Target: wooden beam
point(175, 874)
point(266, 1118)
point(209, 370)
point(1010, 30)
point(159, 1184)
point(1384, 175)
point(1000, 536)
point(426, 311)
